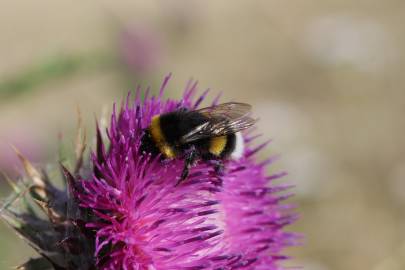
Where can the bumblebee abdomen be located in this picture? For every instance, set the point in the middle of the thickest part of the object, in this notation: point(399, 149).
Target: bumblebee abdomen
point(239, 146)
point(217, 145)
point(228, 146)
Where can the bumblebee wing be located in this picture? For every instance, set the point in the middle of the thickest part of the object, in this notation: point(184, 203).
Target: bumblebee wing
point(223, 119)
point(229, 110)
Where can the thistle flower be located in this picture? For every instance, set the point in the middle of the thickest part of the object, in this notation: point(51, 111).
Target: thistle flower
point(130, 214)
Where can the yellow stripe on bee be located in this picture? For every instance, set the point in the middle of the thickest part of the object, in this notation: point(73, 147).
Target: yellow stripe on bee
point(217, 145)
point(159, 138)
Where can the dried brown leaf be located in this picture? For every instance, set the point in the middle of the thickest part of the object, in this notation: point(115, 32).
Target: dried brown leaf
point(30, 170)
point(53, 216)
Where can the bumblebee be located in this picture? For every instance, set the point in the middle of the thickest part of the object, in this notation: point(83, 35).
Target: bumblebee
point(212, 134)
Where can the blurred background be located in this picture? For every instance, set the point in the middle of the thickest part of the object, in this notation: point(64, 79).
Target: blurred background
point(325, 77)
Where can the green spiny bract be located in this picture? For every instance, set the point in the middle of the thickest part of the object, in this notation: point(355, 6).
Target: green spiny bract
point(49, 219)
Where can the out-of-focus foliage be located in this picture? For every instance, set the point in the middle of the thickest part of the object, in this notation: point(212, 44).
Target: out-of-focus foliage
point(325, 77)
point(58, 67)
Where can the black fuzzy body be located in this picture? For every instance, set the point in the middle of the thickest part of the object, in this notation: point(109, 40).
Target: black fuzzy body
point(176, 124)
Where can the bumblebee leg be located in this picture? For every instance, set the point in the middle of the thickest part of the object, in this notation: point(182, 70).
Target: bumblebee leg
point(219, 169)
point(188, 162)
point(218, 165)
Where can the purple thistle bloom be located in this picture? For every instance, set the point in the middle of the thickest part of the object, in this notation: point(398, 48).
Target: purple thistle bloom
point(145, 222)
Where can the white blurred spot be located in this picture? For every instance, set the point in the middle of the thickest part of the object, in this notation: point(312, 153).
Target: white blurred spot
point(345, 40)
point(291, 129)
point(282, 122)
point(308, 169)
